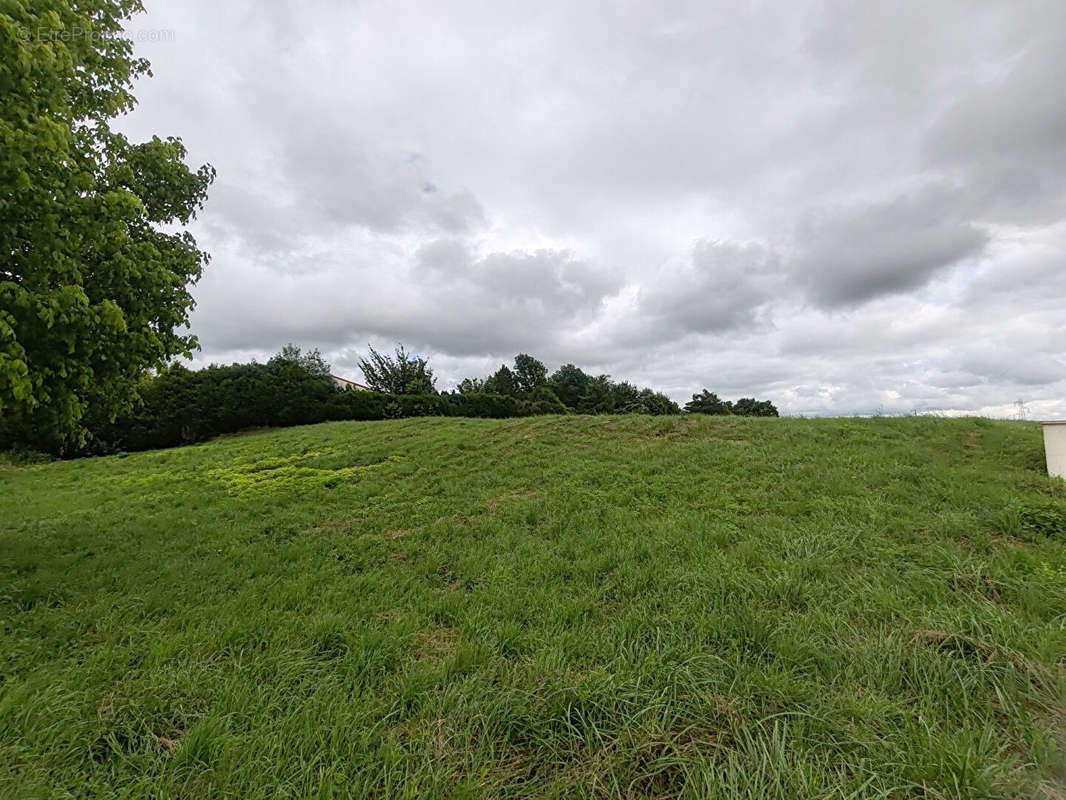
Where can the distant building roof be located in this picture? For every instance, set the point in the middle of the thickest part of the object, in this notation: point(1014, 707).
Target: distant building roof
point(344, 383)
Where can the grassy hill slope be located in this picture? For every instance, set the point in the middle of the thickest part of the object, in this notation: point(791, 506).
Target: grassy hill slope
point(706, 607)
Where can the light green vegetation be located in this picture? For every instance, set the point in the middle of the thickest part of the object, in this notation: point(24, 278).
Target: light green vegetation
point(567, 606)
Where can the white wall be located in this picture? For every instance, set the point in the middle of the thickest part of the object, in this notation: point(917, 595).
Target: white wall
point(1055, 448)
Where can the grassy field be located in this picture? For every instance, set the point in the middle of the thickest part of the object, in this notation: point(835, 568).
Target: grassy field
point(579, 607)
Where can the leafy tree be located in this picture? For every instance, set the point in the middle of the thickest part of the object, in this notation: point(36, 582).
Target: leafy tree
point(471, 386)
point(657, 403)
point(311, 362)
point(96, 266)
point(529, 373)
point(403, 373)
point(568, 382)
point(750, 407)
point(597, 398)
point(707, 403)
point(503, 381)
point(625, 398)
point(544, 401)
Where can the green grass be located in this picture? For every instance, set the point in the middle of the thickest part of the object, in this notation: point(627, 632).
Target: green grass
point(571, 607)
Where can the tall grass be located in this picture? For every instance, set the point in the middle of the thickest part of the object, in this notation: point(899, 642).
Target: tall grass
point(571, 607)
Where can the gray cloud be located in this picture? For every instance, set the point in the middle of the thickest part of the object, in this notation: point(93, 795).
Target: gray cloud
point(720, 288)
point(1005, 138)
point(451, 300)
point(851, 255)
point(335, 182)
point(842, 207)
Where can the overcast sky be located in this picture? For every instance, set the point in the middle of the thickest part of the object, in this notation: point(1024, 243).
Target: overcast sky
point(837, 206)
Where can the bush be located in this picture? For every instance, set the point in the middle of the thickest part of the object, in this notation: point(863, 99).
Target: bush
point(413, 405)
point(179, 406)
point(750, 407)
point(649, 402)
point(480, 404)
point(544, 401)
point(707, 402)
point(1043, 519)
point(355, 405)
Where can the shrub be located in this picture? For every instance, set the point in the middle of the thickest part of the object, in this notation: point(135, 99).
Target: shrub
point(1044, 519)
point(179, 406)
point(750, 407)
point(544, 401)
point(480, 404)
point(656, 403)
point(707, 402)
point(414, 405)
point(355, 405)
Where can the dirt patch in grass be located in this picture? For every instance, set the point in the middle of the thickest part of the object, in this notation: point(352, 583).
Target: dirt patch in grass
point(438, 643)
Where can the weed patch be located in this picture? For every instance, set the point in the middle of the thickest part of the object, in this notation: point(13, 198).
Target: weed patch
point(285, 475)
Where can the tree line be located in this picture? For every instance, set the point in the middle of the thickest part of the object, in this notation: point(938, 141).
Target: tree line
point(568, 389)
point(570, 386)
point(180, 406)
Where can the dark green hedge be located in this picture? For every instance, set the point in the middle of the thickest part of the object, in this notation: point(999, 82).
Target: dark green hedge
point(371, 405)
point(181, 406)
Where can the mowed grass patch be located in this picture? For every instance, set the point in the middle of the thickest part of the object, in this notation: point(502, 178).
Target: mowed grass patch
point(551, 607)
